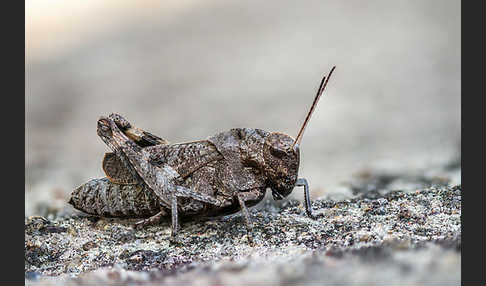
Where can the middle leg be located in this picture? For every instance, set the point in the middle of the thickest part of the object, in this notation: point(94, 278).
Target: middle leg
point(250, 198)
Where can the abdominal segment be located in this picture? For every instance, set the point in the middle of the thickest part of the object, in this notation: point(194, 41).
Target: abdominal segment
point(103, 198)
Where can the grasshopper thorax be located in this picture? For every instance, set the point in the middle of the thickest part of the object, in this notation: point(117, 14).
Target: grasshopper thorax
point(281, 165)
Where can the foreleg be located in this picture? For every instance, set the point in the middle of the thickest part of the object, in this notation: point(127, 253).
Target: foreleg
point(308, 208)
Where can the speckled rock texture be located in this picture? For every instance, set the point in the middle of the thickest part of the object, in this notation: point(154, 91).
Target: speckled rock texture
point(376, 236)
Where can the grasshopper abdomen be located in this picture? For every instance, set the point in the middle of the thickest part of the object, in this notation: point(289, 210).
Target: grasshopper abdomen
point(103, 198)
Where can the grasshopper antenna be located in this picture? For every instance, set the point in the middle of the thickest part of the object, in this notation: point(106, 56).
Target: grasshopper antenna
point(316, 99)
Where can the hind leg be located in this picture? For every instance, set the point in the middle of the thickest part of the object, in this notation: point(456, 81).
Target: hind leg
point(139, 136)
point(161, 179)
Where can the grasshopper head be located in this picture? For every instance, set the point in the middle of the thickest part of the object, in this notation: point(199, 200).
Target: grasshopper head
point(281, 164)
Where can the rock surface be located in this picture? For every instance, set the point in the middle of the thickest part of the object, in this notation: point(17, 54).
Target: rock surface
point(377, 236)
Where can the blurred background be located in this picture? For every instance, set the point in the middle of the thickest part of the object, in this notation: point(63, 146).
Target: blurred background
point(188, 69)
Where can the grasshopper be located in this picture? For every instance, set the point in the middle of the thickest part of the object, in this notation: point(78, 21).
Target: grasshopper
point(147, 177)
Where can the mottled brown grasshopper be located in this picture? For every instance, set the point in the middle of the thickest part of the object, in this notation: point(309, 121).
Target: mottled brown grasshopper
point(149, 178)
